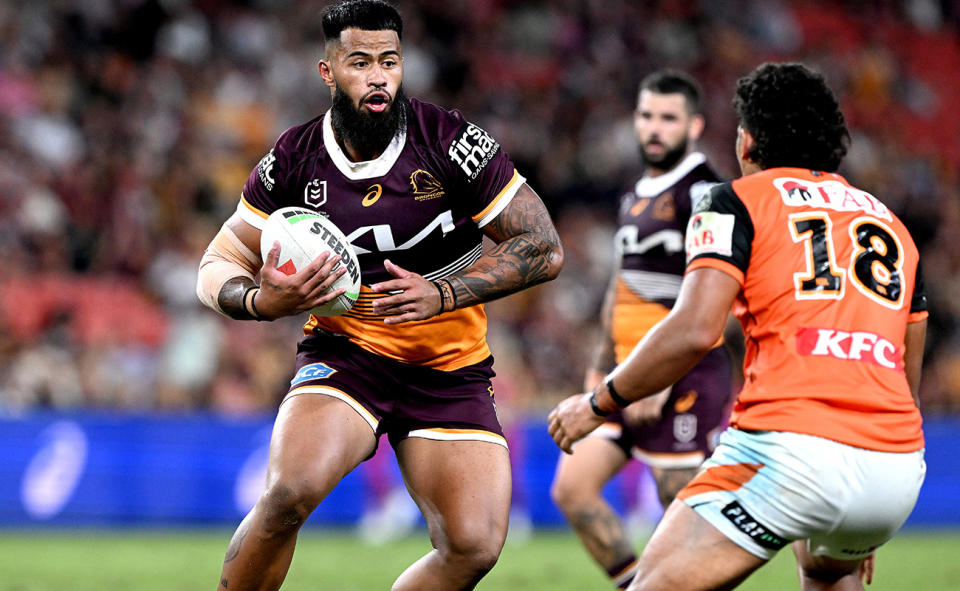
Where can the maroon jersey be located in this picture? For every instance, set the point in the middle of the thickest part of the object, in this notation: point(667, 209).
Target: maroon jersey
point(421, 204)
point(650, 238)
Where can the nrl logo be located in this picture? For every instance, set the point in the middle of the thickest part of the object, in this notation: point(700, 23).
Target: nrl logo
point(425, 186)
point(315, 193)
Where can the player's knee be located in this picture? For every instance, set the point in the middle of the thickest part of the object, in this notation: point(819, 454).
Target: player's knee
point(286, 507)
point(816, 577)
point(475, 547)
point(476, 553)
point(568, 495)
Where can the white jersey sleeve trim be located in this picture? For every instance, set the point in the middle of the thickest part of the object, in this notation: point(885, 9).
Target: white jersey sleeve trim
point(250, 214)
point(502, 200)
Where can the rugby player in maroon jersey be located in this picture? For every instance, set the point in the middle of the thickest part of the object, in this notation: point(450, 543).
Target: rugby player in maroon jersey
point(415, 188)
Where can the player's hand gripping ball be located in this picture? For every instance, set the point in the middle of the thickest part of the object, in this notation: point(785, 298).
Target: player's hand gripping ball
point(303, 236)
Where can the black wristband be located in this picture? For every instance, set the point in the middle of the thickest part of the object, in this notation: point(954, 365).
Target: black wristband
point(453, 293)
point(596, 407)
point(436, 283)
point(614, 395)
point(253, 307)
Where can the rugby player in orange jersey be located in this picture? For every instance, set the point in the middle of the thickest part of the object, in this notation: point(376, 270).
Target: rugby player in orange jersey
point(415, 188)
point(825, 449)
point(674, 431)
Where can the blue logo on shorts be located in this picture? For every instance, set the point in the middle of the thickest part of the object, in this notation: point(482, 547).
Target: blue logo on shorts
point(314, 371)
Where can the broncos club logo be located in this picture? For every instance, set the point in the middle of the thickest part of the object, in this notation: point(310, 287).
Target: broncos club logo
point(425, 186)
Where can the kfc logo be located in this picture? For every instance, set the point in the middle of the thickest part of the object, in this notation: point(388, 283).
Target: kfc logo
point(849, 346)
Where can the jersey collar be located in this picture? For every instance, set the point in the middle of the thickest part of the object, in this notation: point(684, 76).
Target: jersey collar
point(653, 186)
point(368, 168)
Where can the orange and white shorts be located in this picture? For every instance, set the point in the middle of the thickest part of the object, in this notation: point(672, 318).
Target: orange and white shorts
point(765, 489)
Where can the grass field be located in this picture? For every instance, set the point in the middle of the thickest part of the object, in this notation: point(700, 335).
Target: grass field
point(84, 560)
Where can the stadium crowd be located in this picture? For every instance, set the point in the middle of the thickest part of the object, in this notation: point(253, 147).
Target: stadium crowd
point(128, 127)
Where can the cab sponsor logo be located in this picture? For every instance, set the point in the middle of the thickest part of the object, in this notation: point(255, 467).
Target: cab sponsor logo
point(861, 346)
point(710, 232)
point(829, 195)
point(315, 193)
point(265, 170)
point(472, 150)
point(314, 371)
point(425, 186)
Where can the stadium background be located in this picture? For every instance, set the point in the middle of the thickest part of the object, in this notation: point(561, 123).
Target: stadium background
point(127, 128)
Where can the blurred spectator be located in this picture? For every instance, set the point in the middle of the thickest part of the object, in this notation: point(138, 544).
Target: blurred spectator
point(128, 126)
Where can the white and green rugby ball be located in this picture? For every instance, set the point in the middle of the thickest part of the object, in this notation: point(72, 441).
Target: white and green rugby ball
point(303, 236)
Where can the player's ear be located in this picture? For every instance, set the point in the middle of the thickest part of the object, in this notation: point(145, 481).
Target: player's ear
point(326, 72)
point(697, 123)
point(745, 143)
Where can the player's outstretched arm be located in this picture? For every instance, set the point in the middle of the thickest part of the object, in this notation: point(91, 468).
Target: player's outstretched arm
point(527, 252)
point(663, 356)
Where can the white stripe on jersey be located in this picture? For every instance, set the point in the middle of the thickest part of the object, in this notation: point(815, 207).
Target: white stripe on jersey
point(652, 286)
point(461, 263)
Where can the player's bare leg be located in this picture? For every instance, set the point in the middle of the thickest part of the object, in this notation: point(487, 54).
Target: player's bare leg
point(670, 481)
point(686, 553)
point(316, 441)
point(577, 491)
point(463, 491)
point(820, 573)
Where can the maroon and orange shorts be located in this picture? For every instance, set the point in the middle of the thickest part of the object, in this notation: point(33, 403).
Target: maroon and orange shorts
point(399, 399)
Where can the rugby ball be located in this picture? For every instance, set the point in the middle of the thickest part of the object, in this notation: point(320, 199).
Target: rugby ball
point(303, 236)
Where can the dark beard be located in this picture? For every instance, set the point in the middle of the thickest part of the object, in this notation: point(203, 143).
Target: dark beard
point(366, 133)
point(669, 159)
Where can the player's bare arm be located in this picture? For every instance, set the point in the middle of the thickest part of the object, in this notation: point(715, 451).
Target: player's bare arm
point(913, 356)
point(662, 357)
point(527, 252)
point(604, 356)
point(229, 273)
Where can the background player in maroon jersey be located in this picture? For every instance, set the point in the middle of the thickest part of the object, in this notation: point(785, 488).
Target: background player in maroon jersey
point(671, 431)
point(825, 449)
point(416, 183)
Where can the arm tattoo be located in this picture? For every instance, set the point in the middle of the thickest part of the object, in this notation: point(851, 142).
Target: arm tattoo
point(528, 252)
point(231, 298)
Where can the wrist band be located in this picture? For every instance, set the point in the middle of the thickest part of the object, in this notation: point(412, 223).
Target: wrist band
point(596, 407)
point(453, 293)
point(252, 308)
point(614, 395)
point(440, 291)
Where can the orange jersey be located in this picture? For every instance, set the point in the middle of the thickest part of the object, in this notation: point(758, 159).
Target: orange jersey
point(830, 279)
